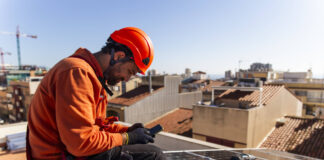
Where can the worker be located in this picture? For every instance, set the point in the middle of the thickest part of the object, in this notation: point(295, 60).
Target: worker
point(72, 98)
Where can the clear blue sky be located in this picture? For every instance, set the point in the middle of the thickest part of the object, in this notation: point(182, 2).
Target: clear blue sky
point(207, 35)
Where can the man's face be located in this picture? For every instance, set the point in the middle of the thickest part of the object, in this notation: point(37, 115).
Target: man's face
point(121, 71)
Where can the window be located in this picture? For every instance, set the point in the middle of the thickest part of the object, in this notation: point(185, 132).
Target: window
point(116, 88)
point(301, 93)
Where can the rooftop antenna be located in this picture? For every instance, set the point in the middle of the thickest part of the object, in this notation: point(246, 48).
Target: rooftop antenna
point(239, 64)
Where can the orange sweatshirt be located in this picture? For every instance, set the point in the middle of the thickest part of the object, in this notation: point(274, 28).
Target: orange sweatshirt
point(64, 108)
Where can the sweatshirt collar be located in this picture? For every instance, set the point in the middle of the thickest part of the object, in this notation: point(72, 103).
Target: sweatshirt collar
point(86, 55)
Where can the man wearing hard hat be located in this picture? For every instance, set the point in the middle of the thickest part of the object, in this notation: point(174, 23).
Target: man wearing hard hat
point(66, 115)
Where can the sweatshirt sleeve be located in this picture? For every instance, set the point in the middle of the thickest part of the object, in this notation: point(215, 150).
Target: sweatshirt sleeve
point(117, 128)
point(75, 111)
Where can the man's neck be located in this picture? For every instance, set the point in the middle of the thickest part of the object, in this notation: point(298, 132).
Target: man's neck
point(103, 59)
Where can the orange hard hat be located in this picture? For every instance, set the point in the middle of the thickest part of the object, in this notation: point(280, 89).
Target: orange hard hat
point(139, 43)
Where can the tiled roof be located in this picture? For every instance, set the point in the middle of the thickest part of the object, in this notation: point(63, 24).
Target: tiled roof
point(208, 88)
point(134, 95)
point(303, 136)
point(178, 121)
point(252, 96)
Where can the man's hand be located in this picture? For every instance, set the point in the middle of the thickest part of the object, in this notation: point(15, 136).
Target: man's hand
point(139, 136)
point(135, 126)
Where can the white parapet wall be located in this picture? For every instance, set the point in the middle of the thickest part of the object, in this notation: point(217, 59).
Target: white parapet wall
point(9, 129)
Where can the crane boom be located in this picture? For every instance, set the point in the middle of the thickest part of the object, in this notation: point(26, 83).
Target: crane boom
point(18, 35)
point(2, 59)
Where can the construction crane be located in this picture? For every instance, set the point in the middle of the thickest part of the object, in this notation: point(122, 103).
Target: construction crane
point(18, 35)
point(2, 59)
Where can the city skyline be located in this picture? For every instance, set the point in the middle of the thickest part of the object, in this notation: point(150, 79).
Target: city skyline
point(211, 36)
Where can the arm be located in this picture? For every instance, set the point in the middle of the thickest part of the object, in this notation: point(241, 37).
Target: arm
point(75, 115)
point(117, 128)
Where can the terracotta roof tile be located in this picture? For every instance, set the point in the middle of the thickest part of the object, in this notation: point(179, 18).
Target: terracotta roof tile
point(208, 88)
point(303, 136)
point(134, 95)
point(252, 96)
point(178, 121)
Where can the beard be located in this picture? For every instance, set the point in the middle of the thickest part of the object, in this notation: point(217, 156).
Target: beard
point(112, 81)
point(111, 78)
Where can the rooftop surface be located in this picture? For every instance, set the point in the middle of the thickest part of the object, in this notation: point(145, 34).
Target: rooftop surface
point(297, 135)
point(178, 121)
point(252, 96)
point(180, 147)
point(134, 95)
point(5, 155)
point(165, 141)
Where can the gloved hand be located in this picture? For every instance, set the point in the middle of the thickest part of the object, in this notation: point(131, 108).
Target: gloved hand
point(134, 126)
point(139, 136)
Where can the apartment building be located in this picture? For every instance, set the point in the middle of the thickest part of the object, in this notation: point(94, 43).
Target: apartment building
point(309, 90)
point(145, 103)
point(123, 87)
point(21, 93)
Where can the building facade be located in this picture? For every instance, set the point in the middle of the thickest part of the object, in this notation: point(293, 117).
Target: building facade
point(21, 93)
point(123, 87)
point(239, 119)
point(141, 105)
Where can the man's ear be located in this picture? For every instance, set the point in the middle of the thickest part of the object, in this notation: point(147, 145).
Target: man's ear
point(119, 55)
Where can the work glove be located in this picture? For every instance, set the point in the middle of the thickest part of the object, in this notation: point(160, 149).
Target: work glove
point(139, 136)
point(134, 126)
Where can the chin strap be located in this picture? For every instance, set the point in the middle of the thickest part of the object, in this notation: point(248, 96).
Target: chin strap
point(104, 85)
point(112, 55)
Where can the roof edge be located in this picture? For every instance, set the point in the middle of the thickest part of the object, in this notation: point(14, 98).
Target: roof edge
point(196, 141)
point(157, 118)
point(306, 118)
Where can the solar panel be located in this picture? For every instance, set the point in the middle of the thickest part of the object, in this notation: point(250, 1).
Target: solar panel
point(219, 154)
point(207, 155)
point(183, 156)
point(224, 155)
